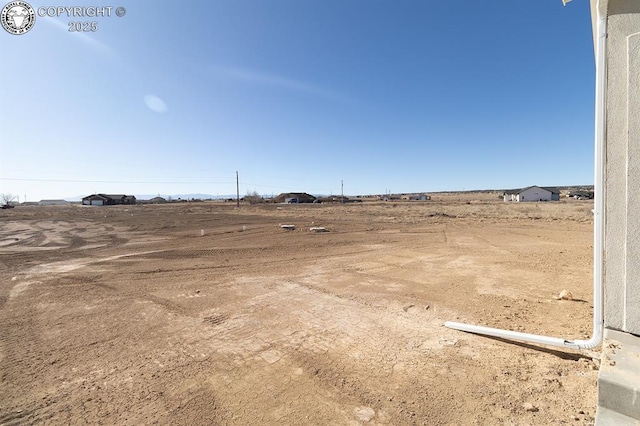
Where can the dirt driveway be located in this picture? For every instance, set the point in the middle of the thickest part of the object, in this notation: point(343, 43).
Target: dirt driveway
point(129, 315)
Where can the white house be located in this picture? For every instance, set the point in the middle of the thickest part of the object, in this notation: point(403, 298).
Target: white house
point(532, 193)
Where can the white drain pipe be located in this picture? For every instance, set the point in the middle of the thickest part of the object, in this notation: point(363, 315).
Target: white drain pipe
point(598, 234)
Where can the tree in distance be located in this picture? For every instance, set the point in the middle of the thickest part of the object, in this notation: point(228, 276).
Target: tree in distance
point(7, 198)
point(253, 197)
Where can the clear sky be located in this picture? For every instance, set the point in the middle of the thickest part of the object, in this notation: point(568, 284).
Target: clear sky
point(297, 95)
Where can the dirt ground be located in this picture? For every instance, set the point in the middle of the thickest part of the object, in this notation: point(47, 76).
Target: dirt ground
point(129, 315)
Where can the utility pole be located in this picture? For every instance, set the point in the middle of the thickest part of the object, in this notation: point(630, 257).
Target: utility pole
point(237, 191)
point(342, 190)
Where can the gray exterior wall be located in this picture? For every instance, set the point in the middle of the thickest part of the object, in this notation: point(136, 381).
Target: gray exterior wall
point(622, 170)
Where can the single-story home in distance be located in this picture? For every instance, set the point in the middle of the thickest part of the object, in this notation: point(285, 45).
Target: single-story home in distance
point(53, 203)
point(294, 198)
point(415, 197)
point(108, 199)
point(532, 193)
point(338, 199)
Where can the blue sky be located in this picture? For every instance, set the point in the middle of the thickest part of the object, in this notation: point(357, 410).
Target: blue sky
point(297, 95)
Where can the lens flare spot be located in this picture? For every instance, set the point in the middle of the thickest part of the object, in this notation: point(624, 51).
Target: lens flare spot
point(155, 104)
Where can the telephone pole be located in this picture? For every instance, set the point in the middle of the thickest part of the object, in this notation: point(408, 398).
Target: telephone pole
point(237, 191)
point(342, 190)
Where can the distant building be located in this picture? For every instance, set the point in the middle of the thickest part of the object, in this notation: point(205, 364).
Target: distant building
point(294, 198)
point(108, 200)
point(532, 193)
point(373, 197)
point(415, 197)
point(339, 199)
point(157, 200)
point(53, 203)
point(580, 195)
point(420, 197)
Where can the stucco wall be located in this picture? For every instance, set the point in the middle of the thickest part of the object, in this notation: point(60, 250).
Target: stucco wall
point(622, 172)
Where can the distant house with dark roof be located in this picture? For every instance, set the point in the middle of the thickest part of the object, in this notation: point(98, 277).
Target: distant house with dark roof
point(294, 198)
point(108, 199)
point(532, 193)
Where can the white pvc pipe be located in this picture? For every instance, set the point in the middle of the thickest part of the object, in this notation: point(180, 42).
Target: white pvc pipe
point(598, 211)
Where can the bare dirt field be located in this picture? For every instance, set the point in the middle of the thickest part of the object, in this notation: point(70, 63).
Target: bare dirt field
point(128, 315)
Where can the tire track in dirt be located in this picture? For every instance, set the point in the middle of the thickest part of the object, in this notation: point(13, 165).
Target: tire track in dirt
point(75, 242)
point(22, 364)
point(231, 259)
point(116, 242)
point(33, 415)
point(215, 320)
point(161, 301)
